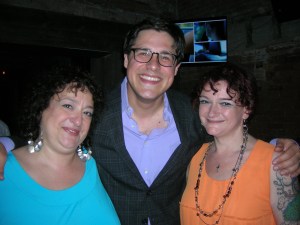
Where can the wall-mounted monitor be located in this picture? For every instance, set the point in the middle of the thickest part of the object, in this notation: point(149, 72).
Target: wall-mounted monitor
point(206, 40)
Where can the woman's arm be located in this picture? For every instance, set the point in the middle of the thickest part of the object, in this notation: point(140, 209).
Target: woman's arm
point(3, 154)
point(285, 197)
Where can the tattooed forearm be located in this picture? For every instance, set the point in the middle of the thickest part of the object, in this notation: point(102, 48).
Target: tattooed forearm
point(288, 191)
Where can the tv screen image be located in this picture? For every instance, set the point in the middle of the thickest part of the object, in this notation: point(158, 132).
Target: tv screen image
point(206, 40)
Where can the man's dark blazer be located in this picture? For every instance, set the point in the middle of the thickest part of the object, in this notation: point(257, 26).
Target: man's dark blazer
point(134, 201)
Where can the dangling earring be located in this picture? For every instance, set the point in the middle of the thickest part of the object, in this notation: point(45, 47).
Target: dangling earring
point(35, 146)
point(84, 153)
point(245, 128)
point(245, 134)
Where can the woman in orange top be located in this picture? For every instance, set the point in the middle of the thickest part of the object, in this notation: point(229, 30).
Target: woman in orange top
point(230, 180)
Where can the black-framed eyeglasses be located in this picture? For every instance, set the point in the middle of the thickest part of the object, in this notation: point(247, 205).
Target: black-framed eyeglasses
point(145, 55)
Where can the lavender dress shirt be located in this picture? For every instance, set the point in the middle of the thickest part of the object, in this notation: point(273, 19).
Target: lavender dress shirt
point(150, 153)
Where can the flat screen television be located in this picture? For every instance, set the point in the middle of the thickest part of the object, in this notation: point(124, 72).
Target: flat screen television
point(206, 40)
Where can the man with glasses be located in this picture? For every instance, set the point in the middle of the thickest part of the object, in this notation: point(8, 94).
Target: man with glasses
point(147, 135)
point(150, 132)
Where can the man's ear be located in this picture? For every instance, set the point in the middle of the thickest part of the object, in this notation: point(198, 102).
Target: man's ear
point(126, 60)
point(176, 68)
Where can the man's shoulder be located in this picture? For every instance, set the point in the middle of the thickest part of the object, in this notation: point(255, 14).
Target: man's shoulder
point(176, 97)
point(112, 99)
point(175, 94)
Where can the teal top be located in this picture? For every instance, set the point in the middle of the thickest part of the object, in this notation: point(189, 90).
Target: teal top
point(23, 201)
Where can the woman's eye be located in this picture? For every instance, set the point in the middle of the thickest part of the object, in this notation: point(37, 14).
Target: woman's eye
point(226, 104)
point(89, 114)
point(68, 106)
point(203, 101)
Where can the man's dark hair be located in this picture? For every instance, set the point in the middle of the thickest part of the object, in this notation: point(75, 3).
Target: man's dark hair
point(159, 25)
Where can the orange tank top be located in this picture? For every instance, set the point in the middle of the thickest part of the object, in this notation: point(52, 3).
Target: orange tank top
point(249, 202)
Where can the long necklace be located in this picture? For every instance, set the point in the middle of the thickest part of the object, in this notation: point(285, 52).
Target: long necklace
point(230, 183)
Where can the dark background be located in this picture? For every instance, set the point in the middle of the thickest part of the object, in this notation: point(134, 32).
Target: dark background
point(263, 36)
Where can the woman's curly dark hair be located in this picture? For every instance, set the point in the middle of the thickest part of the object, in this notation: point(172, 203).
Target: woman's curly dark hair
point(50, 83)
point(239, 82)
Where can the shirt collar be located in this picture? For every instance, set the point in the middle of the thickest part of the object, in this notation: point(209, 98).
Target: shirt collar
point(129, 110)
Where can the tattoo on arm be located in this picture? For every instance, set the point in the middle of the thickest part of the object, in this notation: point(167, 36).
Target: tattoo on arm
point(288, 192)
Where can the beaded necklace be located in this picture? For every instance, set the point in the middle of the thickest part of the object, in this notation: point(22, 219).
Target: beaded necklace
point(230, 183)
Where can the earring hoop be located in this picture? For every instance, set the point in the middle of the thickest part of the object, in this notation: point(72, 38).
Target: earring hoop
point(84, 153)
point(35, 146)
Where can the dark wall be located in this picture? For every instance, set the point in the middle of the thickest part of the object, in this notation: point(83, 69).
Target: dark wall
point(263, 36)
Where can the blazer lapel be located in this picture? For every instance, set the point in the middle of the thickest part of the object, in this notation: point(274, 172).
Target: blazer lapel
point(117, 132)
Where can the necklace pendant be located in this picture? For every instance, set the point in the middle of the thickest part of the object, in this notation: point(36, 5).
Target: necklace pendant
point(201, 212)
point(218, 167)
